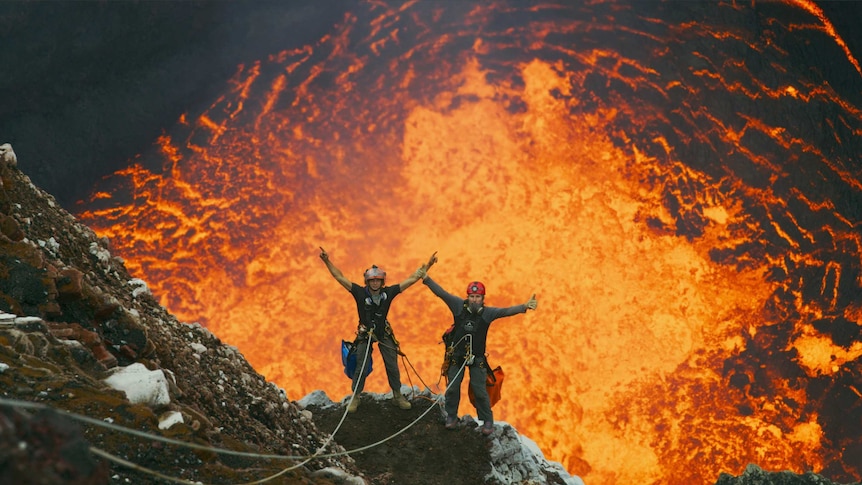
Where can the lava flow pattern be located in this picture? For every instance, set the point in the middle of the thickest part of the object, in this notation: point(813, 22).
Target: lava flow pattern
point(682, 194)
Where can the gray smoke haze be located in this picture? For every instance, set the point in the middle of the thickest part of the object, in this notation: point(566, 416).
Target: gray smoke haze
point(85, 86)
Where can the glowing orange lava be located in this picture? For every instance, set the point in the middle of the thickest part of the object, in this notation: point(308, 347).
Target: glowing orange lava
point(529, 158)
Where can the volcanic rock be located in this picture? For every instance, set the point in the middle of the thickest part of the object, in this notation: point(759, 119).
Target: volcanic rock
point(754, 475)
point(71, 318)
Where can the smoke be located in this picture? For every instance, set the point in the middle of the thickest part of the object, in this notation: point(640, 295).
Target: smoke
point(87, 86)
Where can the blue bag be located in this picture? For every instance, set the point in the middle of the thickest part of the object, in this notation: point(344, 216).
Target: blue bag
point(348, 359)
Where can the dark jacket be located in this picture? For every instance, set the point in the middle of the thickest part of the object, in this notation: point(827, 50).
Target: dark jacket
point(466, 322)
point(373, 315)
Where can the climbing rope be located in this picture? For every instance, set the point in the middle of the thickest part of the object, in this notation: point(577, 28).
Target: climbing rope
point(397, 349)
point(306, 458)
point(317, 453)
point(134, 466)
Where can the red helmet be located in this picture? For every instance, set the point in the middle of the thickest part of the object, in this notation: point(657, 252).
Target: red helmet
point(476, 288)
point(375, 273)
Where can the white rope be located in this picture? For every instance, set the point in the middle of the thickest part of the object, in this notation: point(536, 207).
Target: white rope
point(384, 440)
point(337, 427)
point(142, 434)
point(305, 458)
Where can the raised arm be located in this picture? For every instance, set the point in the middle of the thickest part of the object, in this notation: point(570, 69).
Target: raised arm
point(335, 272)
point(455, 303)
point(419, 273)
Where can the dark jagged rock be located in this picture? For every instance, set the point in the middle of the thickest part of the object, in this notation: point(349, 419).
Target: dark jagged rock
point(71, 316)
point(754, 475)
point(46, 448)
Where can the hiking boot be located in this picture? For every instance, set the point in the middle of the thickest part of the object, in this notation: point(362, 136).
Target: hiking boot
point(487, 428)
point(354, 405)
point(400, 401)
point(451, 422)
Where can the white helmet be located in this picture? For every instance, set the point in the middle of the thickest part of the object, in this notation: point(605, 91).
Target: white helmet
point(375, 273)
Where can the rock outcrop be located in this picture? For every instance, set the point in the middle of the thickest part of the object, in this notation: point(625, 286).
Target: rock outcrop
point(754, 475)
point(71, 317)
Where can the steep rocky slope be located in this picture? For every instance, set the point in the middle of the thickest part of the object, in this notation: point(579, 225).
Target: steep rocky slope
point(85, 317)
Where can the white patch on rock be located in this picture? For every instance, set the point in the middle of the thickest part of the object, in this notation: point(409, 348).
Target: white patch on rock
point(7, 318)
point(518, 459)
point(316, 398)
point(99, 252)
point(199, 348)
point(200, 328)
point(141, 385)
point(169, 419)
point(51, 244)
point(7, 154)
point(141, 287)
point(337, 475)
point(26, 320)
point(71, 343)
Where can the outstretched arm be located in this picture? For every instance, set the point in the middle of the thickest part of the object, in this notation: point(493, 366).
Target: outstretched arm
point(335, 272)
point(493, 313)
point(419, 273)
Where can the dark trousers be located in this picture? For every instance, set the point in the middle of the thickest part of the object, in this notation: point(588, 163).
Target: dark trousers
point(478, 374)
point(390, 361)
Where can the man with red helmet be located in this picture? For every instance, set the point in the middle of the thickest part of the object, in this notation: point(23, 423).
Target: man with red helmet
point(468, 336)
point(372, 304)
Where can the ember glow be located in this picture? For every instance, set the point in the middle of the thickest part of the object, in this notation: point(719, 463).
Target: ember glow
point(656, 173)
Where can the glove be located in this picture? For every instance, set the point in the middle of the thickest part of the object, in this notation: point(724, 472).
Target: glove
point(421, 272)
point(531, 303)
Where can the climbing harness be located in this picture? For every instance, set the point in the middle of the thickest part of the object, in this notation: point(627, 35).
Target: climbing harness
point(461, 329)
point(374, 314)
point(493, 377)
point(449, 357)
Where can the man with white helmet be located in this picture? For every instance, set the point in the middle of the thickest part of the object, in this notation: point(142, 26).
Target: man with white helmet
point(372, 303)
point(468, 336)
